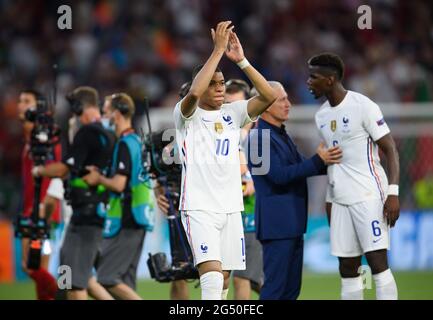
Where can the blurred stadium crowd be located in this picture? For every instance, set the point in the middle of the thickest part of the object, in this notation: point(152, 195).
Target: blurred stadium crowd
point(148, 48)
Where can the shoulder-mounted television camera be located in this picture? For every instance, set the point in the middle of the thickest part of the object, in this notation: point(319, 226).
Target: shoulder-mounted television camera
point(44, 135)
point(162, 163)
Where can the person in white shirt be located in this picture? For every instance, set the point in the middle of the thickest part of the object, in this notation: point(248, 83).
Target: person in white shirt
point(364, 198)
point(207, 135)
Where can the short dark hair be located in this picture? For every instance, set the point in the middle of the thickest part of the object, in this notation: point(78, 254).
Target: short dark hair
point(87, 96)
point(329, 61)
point(35, 93)
point(122, 102)
point(198, 68)
point(184, 89)
point(238, 85)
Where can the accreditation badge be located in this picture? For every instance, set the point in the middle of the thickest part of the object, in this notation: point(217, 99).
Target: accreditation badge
point(333, 125)
point(219, 127)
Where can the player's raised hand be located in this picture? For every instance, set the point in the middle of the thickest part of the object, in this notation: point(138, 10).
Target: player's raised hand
point(221, 34)
point(234, 51)
point(329, 156)
point(391, 209)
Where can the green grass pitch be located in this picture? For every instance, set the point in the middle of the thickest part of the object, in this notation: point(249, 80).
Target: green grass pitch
point(411, 285)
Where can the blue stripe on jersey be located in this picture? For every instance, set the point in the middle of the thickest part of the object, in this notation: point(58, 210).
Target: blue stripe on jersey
point(243, 247)
point(370, 165)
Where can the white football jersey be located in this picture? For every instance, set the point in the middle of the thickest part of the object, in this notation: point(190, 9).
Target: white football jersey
point(355, 124)
point(208, 144)
point(56, 190)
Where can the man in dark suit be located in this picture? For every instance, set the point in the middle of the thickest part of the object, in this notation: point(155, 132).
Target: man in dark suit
point(280, 177)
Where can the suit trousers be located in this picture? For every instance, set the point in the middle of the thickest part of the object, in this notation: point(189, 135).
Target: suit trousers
point(282, 263)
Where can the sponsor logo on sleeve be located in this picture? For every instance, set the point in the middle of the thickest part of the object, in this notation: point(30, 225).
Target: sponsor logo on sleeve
point(380, 122)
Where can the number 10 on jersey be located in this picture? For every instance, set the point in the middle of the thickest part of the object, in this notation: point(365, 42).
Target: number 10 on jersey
point(222, 147)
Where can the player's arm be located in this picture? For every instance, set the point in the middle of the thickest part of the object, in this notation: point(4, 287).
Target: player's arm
point(378, 130)
point(202, 79)
point(258, 104)
point(243, 161)
point(117, 183)
point(55, 193)
point(246, 175)
point(161, 199)
point(53, 170)
point(50, 204)
point(83, 142)
point(392, 206)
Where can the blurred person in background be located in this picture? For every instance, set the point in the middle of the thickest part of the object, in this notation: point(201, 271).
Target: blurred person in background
point(46, 285)
point(92, 146)
point(252, 276)
point(130, 209)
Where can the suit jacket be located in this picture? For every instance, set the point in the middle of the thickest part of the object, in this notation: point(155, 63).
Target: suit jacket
point(281, 193)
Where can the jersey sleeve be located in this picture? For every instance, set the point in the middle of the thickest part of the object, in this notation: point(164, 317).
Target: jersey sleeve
point(123, 165)
point(179, 118)
point(318, 126)
point(373, 120)
point(328, 197)
point(55, 189)
point(240, 112)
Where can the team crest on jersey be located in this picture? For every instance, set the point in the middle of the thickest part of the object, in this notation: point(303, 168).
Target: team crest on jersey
point(333, 125)
point(380, 122)
point(228, 119)
point(346, 124)
point(219, 127)
point(345, 120)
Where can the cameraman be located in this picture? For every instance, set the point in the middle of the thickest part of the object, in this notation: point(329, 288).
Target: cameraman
point(127, 220)
point(46, 285)
point(179, 288)
point(92, 146)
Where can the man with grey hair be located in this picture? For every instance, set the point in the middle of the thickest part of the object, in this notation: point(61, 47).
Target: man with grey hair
point(282, 197)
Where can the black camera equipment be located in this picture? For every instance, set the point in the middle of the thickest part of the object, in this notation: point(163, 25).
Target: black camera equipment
point(158, 158)
point(44, 135)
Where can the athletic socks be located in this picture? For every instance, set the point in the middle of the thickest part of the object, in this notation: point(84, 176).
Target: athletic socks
point(211, 285)
point(352, 288)
point(386, 288)
point(46, 285)
point(224, 294)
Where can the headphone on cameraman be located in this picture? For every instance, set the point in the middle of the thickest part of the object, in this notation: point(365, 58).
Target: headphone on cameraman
point(117, 104)
point(76, 105)
point(241, 85)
